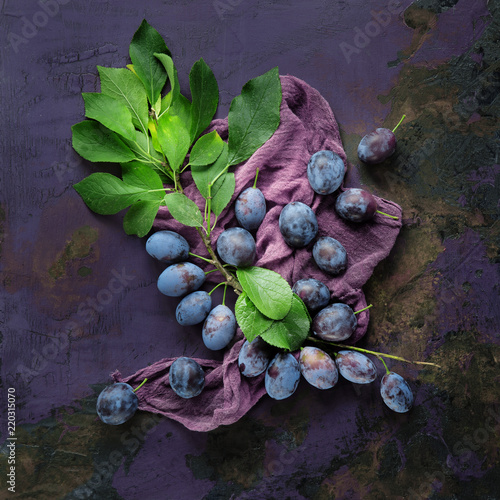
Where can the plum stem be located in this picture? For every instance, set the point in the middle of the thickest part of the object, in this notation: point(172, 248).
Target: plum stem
point(400, 121)
point(383, 362)
point(217, 286)
point(142, 383)
point(202, 258)
point(255, 180)
point(364, 309)
point(224, 296)
point(387, 215)
point(375, 353)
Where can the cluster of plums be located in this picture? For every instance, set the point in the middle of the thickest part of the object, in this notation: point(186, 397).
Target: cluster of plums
point(332, 323)
point(236, 246)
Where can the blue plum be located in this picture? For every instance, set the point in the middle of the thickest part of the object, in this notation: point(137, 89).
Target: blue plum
point(356, 205)
point(219, 328)
point(282, 376)
point(117, 403)
point(193, 308)
point(236, 246)
point(335, 323)
point(186, 377)
point(313, 293)
point(325, 172)
point(254, 357)
point(396, 392)
point(356, 367)
point(330, 256)
point(180, 279)
point(318, 368)
point(250, 208)
point(377, 146)
point(298, 224)
point(168, 247)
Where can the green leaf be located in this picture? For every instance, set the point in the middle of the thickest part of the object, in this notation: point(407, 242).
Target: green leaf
point(172, 96)
point(145, 43)
point(205, 97)
point(140, 217)
point(270, 293)
point(251, 321)
point(222, 194)
point(105, 194)
point(290, 332)
point(204, 176)
point(184, 210)
point(254, 116)
point(206, 149)
point(142, 149)
point(143, 177)
point(174, 139)
point(95, 142)
point(112, 113)
point(125, 86)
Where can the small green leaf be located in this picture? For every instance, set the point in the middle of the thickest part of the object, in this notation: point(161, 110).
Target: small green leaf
point(222, 194)
point(172, 96)
point(105, 194)
point(205, 97)
point(290, 332)
point(143, 177)
point(125, 86)
point(95, 142)
point(112, 113)
point(204, 176)
point(140, 217)
point(145, 43)
point(184, 210)
point(254, 116)
point(206, 149)
point(251, 321)
point(174, 139)
point(270, 293)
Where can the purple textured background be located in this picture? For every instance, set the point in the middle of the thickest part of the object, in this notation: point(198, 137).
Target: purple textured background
point(79, 297)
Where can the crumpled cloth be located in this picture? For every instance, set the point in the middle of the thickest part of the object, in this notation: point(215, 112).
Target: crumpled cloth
point(307, 125)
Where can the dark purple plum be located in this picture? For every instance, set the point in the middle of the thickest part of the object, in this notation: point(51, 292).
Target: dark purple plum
point(180, 279)
point(187, 378)
point(193, 308)
point(318, 368)
point(330, 256)
point(236, 246)
point(219, 328)
point(356, 367)
point(168, 247)
point(298, 224)
point(254, 357)
point(117, 403)
point(335, 323)
point(325, 172)
point(356, 205)
point(282, 376)
point(250, 208)
point(396, 393)
point(377, 146)
point(313, 293)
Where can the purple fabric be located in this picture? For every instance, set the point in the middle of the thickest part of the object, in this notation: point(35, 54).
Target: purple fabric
point(307, 125)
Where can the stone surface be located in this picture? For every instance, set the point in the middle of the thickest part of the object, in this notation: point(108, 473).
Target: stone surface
point(79, 298)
